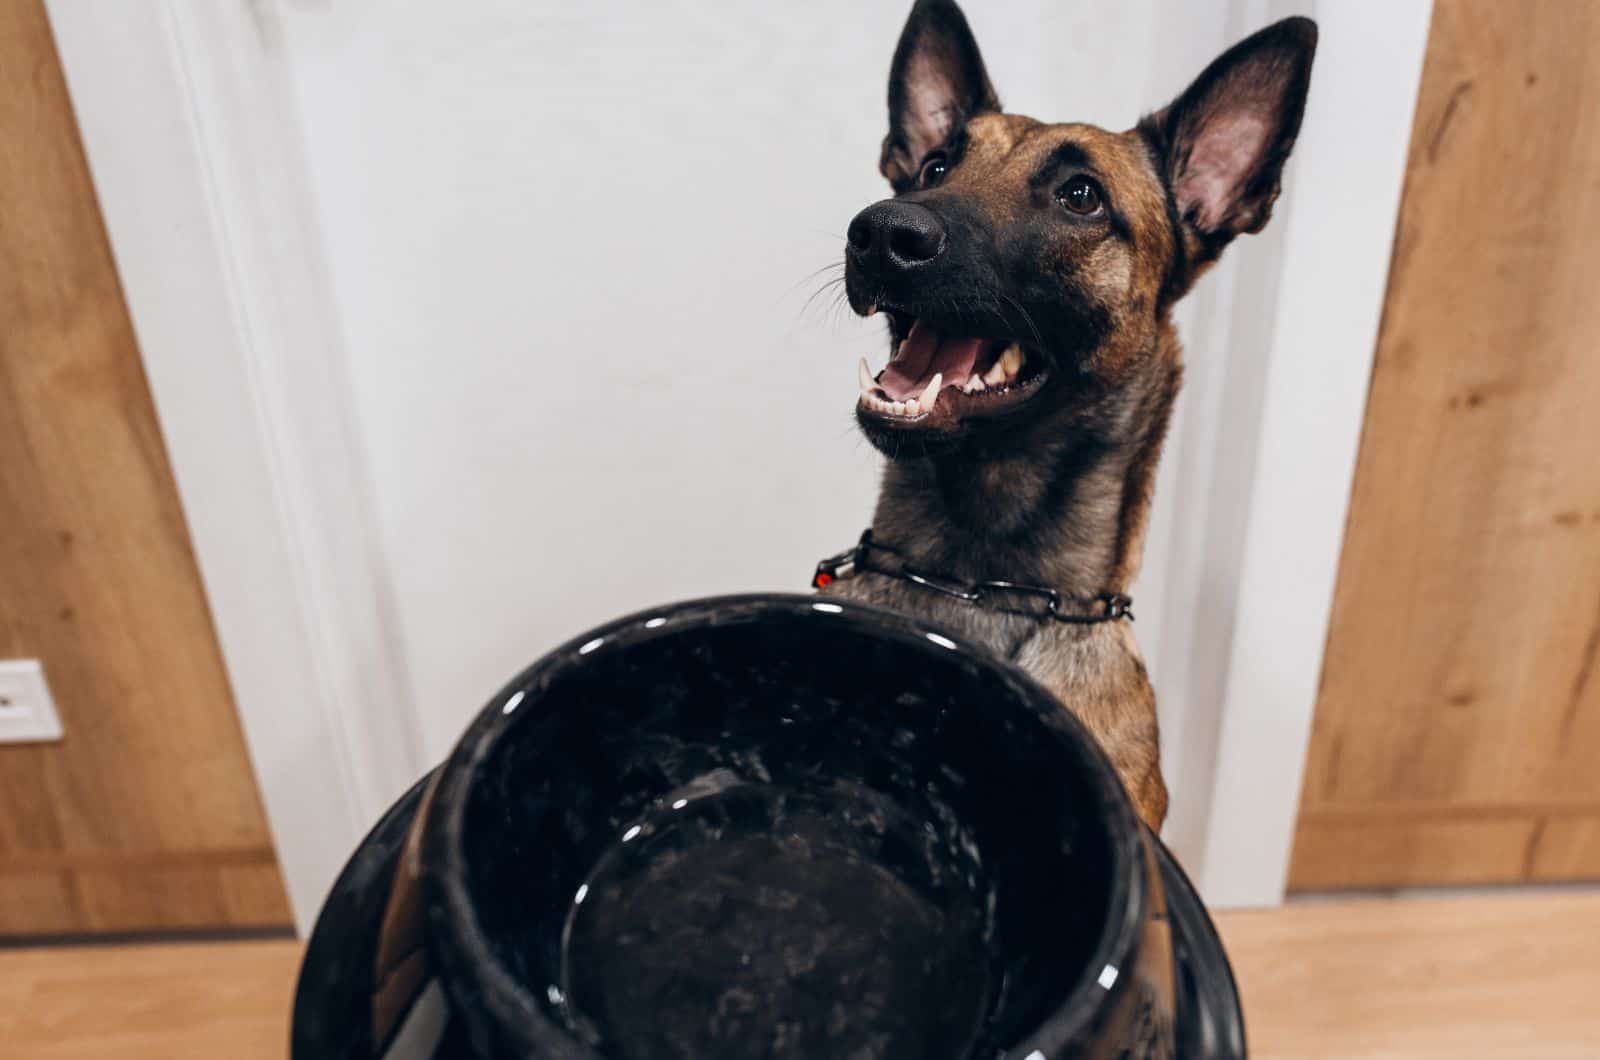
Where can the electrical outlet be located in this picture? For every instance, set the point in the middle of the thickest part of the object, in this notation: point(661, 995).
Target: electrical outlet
point(27, 713)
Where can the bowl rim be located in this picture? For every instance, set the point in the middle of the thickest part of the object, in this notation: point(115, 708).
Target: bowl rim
point(509, 1016)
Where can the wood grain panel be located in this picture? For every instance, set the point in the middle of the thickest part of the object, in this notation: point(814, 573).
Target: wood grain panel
point(1568, 848)
point(1461, 669)
point(113, 828)
point(1366, 852)
point(1442, 843)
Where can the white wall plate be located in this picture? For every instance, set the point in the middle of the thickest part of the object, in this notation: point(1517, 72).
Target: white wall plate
point(27, 713)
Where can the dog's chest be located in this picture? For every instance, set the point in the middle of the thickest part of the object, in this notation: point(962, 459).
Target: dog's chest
point(1047, 645)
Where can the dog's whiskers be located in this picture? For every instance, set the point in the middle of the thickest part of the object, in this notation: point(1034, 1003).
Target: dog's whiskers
point(834, 286)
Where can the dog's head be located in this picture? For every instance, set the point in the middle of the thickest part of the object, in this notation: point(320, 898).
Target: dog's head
point(1024, 265)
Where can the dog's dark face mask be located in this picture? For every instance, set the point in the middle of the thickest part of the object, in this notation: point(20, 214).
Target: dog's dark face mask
point(1023, 267)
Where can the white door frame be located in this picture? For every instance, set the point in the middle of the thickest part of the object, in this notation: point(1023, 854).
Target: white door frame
point(187, 122)
point(192, 137)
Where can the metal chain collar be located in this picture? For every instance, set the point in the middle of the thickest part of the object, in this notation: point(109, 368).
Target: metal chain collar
point(1112, 606)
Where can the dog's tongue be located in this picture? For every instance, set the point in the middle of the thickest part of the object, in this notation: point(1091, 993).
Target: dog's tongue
point(924, 354)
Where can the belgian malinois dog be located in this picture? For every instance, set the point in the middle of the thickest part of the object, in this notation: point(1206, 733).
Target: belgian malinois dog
point(1027, 272)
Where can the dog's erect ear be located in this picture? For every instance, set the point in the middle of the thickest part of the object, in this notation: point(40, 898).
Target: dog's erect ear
point(1223, 142)
point(936, 83)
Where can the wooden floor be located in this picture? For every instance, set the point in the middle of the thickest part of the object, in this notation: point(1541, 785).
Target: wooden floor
point(150, 1002)
point(1459, 978)
point(1498, 977)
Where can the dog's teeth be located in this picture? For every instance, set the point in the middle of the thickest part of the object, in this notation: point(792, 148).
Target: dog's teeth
point(912, 408)
point(898, 408)
point(930, 396)
point(1011, 361)
point(975, 384)
point(865, 377)
point(995, 376)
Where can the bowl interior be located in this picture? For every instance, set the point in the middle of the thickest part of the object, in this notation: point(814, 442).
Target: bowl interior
point(786, 831)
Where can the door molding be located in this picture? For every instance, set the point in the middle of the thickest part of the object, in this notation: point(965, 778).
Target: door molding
point(188, 124)
point(192, 136)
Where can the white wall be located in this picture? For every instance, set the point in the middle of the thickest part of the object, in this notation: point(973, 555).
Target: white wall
point(572, 248)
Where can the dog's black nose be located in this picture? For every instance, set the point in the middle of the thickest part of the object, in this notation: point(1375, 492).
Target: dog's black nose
point(892, 236)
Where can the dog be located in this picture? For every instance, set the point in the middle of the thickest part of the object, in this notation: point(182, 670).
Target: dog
point(1027, 272)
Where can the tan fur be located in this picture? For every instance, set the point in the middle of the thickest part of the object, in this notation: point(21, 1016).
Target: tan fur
point(1061, 497)
point(1096, 671)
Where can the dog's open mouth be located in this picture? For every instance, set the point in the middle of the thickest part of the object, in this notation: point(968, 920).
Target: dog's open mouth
point(937, 379)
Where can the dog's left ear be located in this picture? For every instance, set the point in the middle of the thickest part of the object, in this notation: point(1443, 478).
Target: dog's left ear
point(937, 82)
point(1223, 142)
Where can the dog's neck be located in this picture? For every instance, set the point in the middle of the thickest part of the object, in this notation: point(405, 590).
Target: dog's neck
point(1065, 506)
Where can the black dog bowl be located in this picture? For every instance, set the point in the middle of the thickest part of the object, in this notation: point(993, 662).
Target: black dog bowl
point(766, 827)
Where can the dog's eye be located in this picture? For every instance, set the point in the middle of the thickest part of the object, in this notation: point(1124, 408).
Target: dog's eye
point(933, 170)
point(1080, 195)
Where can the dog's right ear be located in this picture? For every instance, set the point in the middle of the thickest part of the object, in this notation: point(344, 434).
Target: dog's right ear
point(936, 83)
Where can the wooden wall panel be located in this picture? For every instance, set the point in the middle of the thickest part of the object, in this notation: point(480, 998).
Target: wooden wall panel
point(1458, 726)
point(147, 816)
